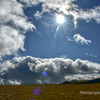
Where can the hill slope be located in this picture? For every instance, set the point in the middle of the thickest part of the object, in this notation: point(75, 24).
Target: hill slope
point(82, 82)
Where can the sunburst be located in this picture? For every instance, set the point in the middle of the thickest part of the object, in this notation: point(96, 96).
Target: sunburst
point(60, 19)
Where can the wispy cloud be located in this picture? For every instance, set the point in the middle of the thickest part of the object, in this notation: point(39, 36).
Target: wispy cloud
point(86, 15)
point(92, 55)
point(37, 15)
point(28, 70)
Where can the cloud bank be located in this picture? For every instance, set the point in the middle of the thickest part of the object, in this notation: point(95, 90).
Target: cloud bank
point(27, 70)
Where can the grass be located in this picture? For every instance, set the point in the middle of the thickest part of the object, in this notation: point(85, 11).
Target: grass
point(50, 92)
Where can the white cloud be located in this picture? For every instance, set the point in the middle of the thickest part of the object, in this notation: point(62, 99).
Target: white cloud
point(28, 70)
point(86, 15)
point(10, 40)
point(13, 24)
point(79, 39)
point(14, 82)
point(68, 8)
point(37, 15)
point(28, 3)
point(68, 39)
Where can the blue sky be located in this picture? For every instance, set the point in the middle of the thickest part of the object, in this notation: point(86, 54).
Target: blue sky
point(28, 29)
point(45, 45)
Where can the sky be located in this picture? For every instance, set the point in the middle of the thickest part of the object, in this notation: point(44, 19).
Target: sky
point(34, 39)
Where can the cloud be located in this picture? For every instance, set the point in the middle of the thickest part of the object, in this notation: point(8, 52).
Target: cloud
point(86, 15)
point(45, 23)
point(86, 54)
point(28, 3)
point(68, 39)
point(79, 39)
point(28, 70)
point(13, 24)
point(67, 7)
point(37, 15)
point(63, 56)
point(10, 40)
point(92, 55)
point(82, 77)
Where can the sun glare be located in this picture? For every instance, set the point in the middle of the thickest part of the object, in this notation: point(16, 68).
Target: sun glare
point(60, 19)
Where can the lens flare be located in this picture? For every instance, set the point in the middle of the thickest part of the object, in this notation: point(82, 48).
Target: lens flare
point(44, 73)
point(36, 91)
point(56, 31)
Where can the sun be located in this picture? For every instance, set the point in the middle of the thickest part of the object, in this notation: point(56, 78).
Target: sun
point(60, 19)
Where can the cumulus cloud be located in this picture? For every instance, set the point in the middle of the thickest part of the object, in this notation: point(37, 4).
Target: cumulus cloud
point(10, 40)
point(79, 39)
point(67, 7)
point(13, 24)
point(27, 70)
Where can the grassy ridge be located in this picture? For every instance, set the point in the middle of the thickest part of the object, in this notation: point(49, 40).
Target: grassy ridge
point(50, 92)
